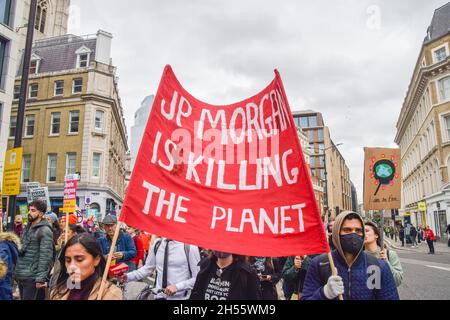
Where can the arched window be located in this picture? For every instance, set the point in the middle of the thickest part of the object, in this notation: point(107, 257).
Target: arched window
point(41, 15)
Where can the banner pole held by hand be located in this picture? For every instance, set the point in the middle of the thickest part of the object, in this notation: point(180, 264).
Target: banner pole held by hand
point(108, 262)
point(333, 270)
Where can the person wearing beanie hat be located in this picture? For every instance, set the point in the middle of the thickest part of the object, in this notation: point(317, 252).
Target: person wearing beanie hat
point(51, 217)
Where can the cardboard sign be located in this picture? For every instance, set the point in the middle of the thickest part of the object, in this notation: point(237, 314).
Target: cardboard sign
point(41, 193)
point(382, 179)
point(230, 178)
point(31, 186)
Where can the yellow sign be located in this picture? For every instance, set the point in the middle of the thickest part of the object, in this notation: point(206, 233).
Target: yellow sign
point(422, 206)
point(13, 169)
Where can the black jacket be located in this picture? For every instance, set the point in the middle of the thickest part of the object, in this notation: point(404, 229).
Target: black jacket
point(244, 285)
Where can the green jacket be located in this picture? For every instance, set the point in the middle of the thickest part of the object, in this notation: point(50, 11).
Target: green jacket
point(394, 264)
point(288, 272)
point(36, 258)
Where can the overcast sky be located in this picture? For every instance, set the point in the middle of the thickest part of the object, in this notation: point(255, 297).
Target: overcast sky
point(352, 60)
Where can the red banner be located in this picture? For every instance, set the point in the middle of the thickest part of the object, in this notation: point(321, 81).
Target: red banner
point(231, 178)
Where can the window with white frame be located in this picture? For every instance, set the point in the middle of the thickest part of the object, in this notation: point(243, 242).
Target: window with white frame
point(55, 123)
point(12, 126)
point(34, 88)
point(51, 168)
point(447, 126)
point(74, 121)
point(59, 88)
point(99, 115)
point(71, 163)
point(34, 66)
point(83, 60)
point(440, 54)
point(96, 164)
point(26, 165)
point(444, 88)
point(77, 86)
point(29, 126)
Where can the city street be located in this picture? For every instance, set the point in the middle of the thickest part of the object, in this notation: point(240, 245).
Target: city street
point(426, 276)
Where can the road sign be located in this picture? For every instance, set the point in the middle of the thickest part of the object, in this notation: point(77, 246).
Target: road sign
point(11, 174)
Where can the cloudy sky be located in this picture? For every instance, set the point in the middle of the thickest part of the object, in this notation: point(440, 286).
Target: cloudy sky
point(352, 60)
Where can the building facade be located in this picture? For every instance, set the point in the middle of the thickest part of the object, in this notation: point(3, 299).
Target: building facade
point(423, 131)
point(327, 163)
point(316, 182)
point(74, 122)
point(10, 19)
point(51, 20)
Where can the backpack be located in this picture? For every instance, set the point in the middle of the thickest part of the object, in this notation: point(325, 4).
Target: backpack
point(325, 269)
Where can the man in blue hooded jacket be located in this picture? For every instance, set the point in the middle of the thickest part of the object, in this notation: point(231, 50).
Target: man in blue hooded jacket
point(360, 276)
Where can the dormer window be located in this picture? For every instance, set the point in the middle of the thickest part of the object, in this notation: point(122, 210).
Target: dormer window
point(83, 57)
point(440, 53)
point(35, 62)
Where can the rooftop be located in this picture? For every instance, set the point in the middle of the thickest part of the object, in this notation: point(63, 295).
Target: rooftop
point(440, 24)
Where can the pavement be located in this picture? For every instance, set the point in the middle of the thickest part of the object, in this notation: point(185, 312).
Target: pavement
point(439, 247)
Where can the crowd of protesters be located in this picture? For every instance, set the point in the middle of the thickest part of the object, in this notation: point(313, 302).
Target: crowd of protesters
point(41, 262)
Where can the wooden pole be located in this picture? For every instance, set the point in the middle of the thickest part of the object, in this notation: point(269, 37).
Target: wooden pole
point(108, 262)
point(66, 228)
point(333, 270)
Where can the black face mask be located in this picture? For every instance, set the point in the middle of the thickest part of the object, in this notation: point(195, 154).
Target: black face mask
point(221, 255)
point(352, 243)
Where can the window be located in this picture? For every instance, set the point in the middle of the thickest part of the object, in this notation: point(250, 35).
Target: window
point(5, 10)
point(41, 15)
point(34, 88)
point(444, 88)
point(26, 164)
point(3, 45)
point(322, 161)
point(96, 165)
point(16, 92)
point(77, 86)
point(447, 122)
point(304, 122)
point(29, 126)
point(321, 148)
point(320, 134)
point(55, 123)
point(312, 121)
point(1, 117)
point(322, 174)
point(99, 119)
point(440, 54)
point(313, 162)
point(74, 119)
point(71, 163)
point(12, 126)
point(34, 66)
point(83, 60)
point(59, 87)
point(51, 168)
point(311, 135)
